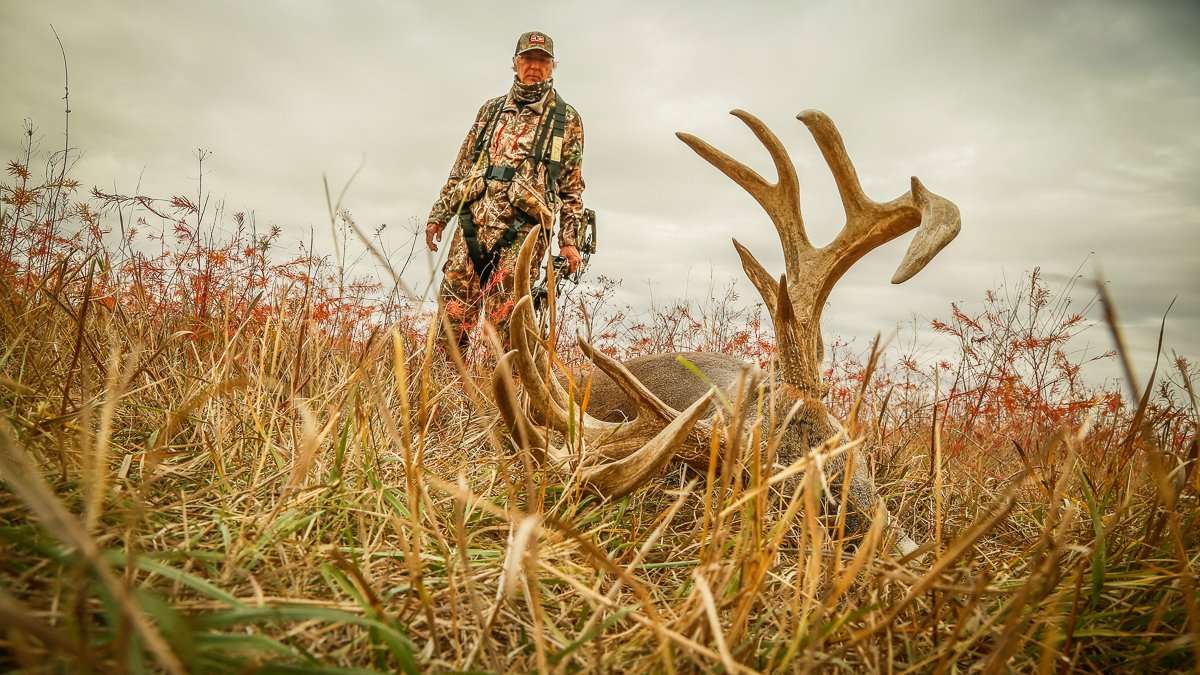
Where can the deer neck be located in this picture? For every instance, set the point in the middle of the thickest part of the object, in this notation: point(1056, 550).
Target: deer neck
point(810, 426)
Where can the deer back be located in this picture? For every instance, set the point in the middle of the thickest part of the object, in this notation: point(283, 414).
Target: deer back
point(667, 378)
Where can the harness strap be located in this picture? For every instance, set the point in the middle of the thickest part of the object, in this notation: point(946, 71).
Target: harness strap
point(484, 260)
point(538, 150)
point(554, 161)
point(488, 129)
point(548, 144)
point(547, 147)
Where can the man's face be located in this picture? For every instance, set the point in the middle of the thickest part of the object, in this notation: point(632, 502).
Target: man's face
point(533, 67)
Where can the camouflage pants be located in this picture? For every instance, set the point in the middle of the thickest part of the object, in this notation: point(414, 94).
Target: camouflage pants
point(461, 298)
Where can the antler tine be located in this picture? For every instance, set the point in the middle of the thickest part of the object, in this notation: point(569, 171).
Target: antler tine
point(796, 309)
point(521, 289)
point(869, 224)
point(531, 375)
point(611, 440)
point(620, 477)
point(823, 131)
point(527, 434)
point(940, 222)
point(525, 263)
point(799, 357)
point(786, 190)
point(758, 275)
point(549, 396)
point(781, 200)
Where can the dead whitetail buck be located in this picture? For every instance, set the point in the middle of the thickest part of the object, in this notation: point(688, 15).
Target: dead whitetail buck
point(652, 409)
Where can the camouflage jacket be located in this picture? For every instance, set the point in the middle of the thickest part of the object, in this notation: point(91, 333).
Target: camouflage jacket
point(493, 201)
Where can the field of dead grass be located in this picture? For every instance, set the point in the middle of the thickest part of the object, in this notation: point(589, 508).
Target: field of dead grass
point(212, 461)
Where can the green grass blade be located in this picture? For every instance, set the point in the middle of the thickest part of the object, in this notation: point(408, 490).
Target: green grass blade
point(1099, 554)
point(398, 643)
point(192, 581)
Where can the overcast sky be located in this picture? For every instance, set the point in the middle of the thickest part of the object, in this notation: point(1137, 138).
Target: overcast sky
point(1068, 133)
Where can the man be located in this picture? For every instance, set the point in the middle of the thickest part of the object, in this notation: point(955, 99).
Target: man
point(520, 165)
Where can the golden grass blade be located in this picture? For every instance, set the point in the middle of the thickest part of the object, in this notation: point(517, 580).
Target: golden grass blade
point(714, 621)
point(956, 549)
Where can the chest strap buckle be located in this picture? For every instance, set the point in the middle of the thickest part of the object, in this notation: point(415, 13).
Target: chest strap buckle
point(501, 173)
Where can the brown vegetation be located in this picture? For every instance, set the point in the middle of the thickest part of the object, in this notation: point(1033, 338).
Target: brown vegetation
point(215, 462)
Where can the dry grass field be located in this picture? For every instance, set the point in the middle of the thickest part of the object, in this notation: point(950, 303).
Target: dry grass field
point(213, 460)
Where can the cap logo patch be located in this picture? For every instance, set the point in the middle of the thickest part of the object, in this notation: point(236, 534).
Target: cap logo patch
point(537, 39)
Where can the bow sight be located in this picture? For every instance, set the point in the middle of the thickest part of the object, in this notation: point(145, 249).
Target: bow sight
point(562, 270)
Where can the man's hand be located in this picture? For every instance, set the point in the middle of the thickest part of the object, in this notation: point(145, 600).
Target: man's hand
point(433, 234)
point(572, 255)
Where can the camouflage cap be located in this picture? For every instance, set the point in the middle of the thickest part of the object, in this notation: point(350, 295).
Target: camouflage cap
point(534, 40)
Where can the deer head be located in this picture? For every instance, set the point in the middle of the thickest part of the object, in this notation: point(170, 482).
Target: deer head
point(614, 458)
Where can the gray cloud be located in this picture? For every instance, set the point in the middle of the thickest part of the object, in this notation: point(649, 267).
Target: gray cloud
point(1066, 132)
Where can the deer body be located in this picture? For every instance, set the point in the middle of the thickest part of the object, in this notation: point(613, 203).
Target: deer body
point(668, 379)
point(679, 387)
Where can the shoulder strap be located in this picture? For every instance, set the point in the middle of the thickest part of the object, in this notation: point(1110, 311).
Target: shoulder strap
point(547, 144)
point(537, 151)
point(489, 127)
point(554, 158)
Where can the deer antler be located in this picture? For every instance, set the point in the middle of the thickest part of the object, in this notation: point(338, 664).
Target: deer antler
point(813, 271)
point(614, 458)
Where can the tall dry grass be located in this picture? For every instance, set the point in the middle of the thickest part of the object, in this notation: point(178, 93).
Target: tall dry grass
point(216, 462)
